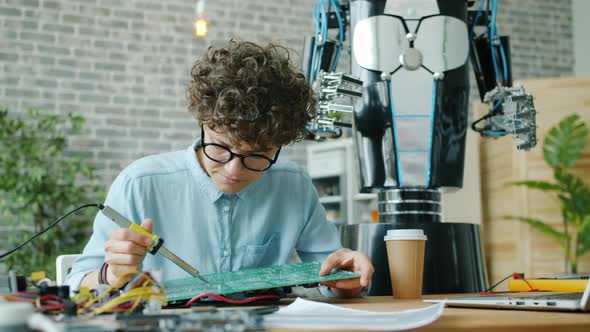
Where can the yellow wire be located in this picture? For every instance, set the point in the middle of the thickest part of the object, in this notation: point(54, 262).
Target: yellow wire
point(135, 295)
point(106, 293)
point(148, 290)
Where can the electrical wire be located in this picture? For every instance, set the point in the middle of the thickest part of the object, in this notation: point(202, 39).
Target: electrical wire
point(49, 304)
point(324, 36)
point(471, 38)
point(321, 20)
point(494, 133)
point(501, 79)
point(515, 276)
point(340, 34)
point(495, 108)
point(143, 288)
point(316, 20)
point(15, 297)
point(231, 301)
point(504, 63)
point(492, 36)
point(476, 18)
point(47, 228)
point(492, 112)
point(140, 289)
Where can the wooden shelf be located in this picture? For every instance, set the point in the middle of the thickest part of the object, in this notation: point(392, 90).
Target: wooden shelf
point(332, 163)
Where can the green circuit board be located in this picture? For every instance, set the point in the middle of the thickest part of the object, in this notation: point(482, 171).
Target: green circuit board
point(251, 279)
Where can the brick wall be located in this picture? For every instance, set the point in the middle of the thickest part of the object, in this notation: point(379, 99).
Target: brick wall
point(124, 65)
point(540, 35)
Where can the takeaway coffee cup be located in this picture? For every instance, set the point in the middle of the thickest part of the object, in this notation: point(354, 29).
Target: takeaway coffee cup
point(405, 253)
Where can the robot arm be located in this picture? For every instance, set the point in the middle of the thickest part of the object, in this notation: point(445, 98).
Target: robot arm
point(513, 111)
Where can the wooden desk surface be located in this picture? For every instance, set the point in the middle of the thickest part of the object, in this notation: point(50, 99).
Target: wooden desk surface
point(481, 320)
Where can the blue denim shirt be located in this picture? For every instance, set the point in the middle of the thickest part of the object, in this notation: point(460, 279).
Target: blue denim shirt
point(215, 232)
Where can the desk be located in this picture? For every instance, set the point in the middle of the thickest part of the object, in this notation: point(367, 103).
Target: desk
point(480, 320)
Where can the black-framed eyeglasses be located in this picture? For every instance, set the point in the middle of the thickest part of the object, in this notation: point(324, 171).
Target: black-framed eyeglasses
point(221, 154)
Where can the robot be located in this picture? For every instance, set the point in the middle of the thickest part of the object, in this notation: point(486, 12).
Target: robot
point(406, 101)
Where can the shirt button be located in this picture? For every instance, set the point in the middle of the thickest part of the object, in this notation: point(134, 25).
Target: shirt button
point(225, 253)
point(226, 209)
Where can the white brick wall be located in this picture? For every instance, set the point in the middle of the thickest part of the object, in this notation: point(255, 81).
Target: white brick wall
point(124, 64)
point(540, 36)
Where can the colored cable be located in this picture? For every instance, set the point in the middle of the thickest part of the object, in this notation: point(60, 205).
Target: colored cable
point(340, 34)
point(514, 275)
point(231, 301)
point(476, 18)
point(127, 302)
point(315, 46)
point(517, 276)
point(47, 228)
point(491, 35)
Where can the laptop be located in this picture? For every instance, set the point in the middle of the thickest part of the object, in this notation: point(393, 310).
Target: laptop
point(550, 301)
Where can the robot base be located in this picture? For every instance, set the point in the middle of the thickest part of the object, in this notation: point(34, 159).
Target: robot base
point(453, 263)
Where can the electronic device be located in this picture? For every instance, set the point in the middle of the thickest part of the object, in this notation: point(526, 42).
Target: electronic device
point(252, 279)
point(552, 301)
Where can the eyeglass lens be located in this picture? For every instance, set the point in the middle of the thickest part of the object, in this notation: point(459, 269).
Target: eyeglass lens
point(222, 154)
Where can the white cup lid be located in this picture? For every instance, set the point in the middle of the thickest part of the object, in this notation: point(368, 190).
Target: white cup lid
point(405, 234)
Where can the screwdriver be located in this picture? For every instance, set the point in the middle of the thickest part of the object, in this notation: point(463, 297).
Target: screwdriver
point(156, 247)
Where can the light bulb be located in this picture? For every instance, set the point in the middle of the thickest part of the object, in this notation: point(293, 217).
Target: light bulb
point(201, 27)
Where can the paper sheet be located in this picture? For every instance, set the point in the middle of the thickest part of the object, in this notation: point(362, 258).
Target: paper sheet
point(305, 314)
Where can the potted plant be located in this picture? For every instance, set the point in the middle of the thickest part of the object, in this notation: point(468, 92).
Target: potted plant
point(562, 148)
point(40, 180)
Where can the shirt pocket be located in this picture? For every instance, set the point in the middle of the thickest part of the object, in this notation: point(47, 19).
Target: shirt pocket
point(264, 254)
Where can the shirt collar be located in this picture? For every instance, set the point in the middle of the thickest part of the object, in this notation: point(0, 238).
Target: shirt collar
point(206, 184)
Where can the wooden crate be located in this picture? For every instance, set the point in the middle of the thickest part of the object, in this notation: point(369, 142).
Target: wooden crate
point(513, 246)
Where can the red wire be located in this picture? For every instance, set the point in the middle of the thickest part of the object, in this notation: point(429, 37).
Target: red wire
point(517, 276)
point(231, 301)
point(125, 305)
point(50, 297)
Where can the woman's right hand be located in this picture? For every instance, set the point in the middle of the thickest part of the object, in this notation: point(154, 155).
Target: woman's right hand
point(124, 251)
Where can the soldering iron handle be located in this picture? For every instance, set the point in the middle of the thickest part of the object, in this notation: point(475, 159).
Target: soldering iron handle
point(120, 220)
point(158, 242)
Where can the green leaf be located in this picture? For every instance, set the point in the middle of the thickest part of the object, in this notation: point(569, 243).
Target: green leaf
point(575, 195)
point(542, 227)
point(565, 142)
point(39, 182)
point(541, 185)
point(583, 245)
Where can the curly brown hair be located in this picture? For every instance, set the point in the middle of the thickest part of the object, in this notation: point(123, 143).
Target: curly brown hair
point(253, 91)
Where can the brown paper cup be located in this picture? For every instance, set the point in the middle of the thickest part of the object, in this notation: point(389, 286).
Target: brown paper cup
point(405, 254)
